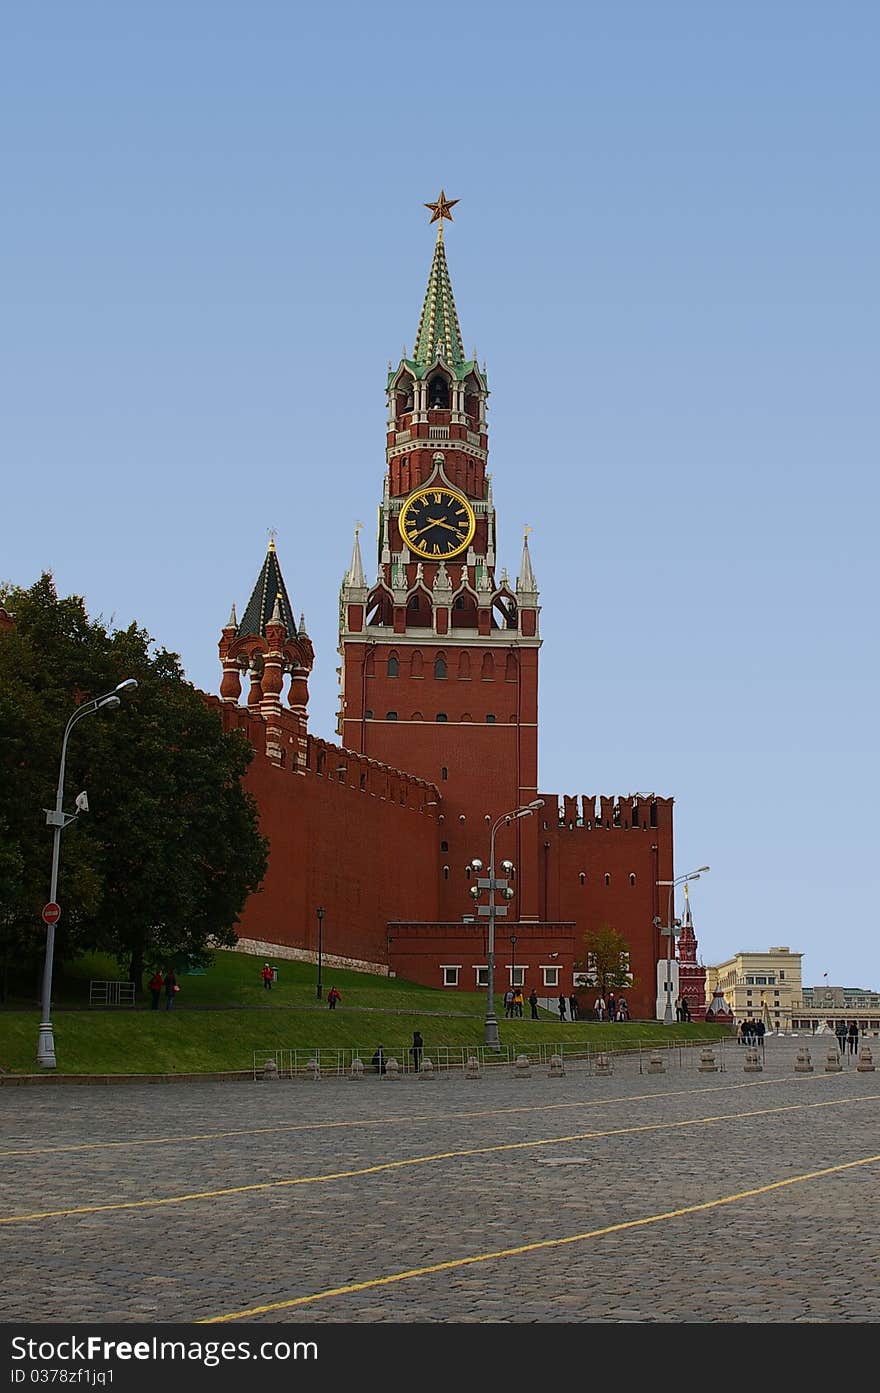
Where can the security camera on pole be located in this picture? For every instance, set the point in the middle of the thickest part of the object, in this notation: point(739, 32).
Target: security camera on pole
point(492, 911)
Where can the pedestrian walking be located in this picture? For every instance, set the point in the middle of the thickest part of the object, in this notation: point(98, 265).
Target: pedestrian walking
point(333, 996)
point(508, 1002)
point(561, 1007)
point(267, 975)
point(841, 1033)
point(573, 1007)
point(378, 1060)
point(612, 1007)
point(533, 1002)
point(685, 1009)
point(852, 1037)
point(622, 1009)
point(156, 984)
point(416, 1048)
point(599, 1008)
point(518, 1002)
point(171, 989)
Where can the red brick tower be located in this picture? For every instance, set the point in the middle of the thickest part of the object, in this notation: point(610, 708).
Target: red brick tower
point(439, 671)
point(268, 645)
point(691, 974)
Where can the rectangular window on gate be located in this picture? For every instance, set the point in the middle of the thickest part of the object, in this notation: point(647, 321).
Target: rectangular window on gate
point(482, 976)
point(450, 975)
point(551, 976)
point(517, 976)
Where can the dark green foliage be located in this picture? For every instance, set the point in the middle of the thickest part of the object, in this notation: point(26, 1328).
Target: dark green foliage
point(161, 865)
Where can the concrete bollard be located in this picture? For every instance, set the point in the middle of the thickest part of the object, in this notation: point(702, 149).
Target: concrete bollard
point(522, 1069)
point(313, 1069)
point(804, 1062)
point(557, 1067)
point(866, 1060)
point(708, 1063)
point(472, 1068)
point(357, 1069)
point(832, 1062)
point(392, 1068)
point(270, 1071)
point(426, 1069)
point(656, 1064)
point(752, 1062)
point(602, 1064)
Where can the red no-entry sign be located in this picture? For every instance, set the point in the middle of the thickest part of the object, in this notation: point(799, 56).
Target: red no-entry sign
point(51, 912)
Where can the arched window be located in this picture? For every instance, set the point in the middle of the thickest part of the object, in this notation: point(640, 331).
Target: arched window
point(416, 665)
point(445, 872)
point(510, 672)
point(583, 877)
point(490, 719)
point(464, 666)
point(444, 846)
point(488, 670)
point(607, 878)
point(632, 879)
point(417, 716)
point(414, 602)
point(393, 665)
point(441, 716)
point(368, 714)
point(444, 773)
point(391, 715)
point(440, 667)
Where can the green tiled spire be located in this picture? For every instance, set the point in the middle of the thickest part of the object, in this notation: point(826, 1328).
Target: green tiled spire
point(439, 321)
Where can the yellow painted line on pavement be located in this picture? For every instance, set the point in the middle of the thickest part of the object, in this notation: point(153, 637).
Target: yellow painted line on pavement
point(281, 1128)
point(410, 1161)
point(455, 1264)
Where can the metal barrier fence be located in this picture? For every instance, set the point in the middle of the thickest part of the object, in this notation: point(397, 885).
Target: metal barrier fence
point(111, 993)
point(335, 1062)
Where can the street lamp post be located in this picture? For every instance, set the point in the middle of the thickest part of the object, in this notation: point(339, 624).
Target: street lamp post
point(493, 910)
point(58, 819)
point(670, 931)
point(320, 914)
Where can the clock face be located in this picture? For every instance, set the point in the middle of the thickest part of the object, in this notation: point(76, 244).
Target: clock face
point(437, 523)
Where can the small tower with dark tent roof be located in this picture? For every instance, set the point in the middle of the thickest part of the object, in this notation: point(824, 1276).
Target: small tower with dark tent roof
point(267, 646)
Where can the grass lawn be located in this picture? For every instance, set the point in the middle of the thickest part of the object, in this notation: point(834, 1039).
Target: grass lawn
point(221, 1018)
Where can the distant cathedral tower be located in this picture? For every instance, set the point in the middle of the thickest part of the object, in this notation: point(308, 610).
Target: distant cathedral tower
point(439, 649)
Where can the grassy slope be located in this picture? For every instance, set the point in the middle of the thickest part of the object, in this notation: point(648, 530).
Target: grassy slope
point(220, 1019)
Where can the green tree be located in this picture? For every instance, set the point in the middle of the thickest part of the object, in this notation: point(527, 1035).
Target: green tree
point(160, 867)
point(606, 962)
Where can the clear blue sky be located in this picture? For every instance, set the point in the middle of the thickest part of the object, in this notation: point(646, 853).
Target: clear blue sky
point(213, 239)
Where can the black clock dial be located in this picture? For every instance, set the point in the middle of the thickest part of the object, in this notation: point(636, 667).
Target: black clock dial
point(436, 523)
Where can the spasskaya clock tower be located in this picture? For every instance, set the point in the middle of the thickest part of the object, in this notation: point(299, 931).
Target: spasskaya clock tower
point(439, 649)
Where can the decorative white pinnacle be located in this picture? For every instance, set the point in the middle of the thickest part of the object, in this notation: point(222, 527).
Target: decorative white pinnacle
point(232, 621)
point(356, 578)
point(302, 624)
point(525, 581)
point(277, 617)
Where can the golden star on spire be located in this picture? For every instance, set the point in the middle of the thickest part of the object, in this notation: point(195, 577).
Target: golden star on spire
point(441, 209)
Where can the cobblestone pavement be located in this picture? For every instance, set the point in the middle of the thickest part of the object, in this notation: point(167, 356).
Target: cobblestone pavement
point(634, 1198)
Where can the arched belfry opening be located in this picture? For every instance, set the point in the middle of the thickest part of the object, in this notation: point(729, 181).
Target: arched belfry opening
point(438, 392)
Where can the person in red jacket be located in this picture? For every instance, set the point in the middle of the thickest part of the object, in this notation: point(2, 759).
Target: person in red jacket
point(332, 997)
point(267, 975)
